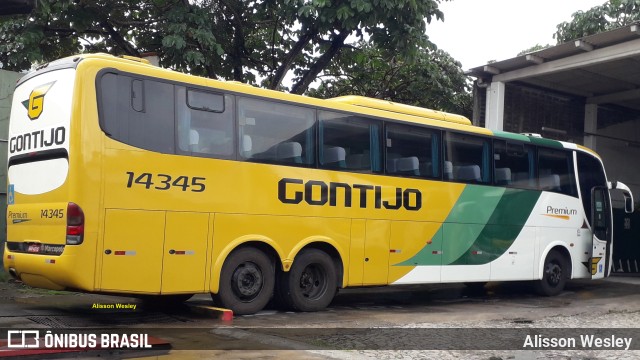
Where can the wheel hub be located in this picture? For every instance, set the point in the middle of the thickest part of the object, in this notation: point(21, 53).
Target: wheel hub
point(311, 282)
point(555, 274)
point(247, 281)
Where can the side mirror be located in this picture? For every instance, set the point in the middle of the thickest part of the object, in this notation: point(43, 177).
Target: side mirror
point(628, 204)
point(626, 192)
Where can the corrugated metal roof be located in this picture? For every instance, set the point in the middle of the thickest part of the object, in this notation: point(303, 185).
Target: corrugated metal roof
point(600, 40)
point(604, 70)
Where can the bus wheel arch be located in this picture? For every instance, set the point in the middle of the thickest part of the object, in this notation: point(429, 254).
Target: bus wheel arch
point(313, 279)
point(556, 270)
point(323, 244)
point(264, 244)
point(247, 278)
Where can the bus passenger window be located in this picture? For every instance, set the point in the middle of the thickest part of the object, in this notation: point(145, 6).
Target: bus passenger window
point(514, 164)
point(137, 112)
point(279, 133)
point(349, 142)
point(413, 151)
point(555, 171)
point(204, 123)
point(334, 157)
point(137, 95)
point(205, 101)
point(469, 156)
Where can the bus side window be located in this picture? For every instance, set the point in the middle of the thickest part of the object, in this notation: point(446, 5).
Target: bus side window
point(137, 112)
point(279, 133)
point(412, 151)
point(137, 95)
point(204, 123)
point(514, 164)
point(349, 142)
point(555, 171)
point(469, 156)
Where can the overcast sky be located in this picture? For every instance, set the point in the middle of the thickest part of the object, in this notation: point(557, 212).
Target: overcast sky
point(476, 31)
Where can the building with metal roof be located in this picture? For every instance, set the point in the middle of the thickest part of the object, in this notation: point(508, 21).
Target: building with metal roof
point(585, 91)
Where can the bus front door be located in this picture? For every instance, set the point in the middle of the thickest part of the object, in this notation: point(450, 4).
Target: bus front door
point(601, 222)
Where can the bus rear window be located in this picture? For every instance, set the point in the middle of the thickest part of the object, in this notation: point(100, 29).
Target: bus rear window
point(138, 112)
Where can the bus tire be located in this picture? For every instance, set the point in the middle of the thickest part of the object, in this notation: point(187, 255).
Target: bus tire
point(311, 283)
point(554, 275)
point(246, 281)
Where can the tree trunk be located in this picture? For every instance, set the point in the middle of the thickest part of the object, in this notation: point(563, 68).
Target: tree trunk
point(288, 60)
point(310, 75)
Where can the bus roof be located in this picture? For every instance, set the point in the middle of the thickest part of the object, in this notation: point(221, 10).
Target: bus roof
point(365, 105)
point(394, 107)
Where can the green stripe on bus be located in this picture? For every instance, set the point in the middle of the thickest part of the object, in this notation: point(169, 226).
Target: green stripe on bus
point(470, 213)
point(426, 256)
point(482, 225)
point(546, 142)
point(511, 136)
point(502, 229)
point(475, 205)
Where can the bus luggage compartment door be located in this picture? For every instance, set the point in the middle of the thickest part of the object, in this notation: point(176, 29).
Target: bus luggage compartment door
point(185, 252)
point(132, 250)
point(369, 260)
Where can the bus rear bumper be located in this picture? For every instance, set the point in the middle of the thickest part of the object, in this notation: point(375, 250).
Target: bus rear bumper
point(43, 271)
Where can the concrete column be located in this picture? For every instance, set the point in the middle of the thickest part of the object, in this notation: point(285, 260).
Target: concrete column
point(494, 119)
point(590, 125)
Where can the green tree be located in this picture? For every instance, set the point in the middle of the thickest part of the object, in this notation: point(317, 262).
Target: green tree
point(535, 47)
point(610, 15)
point(433, 79)
point(231, 39)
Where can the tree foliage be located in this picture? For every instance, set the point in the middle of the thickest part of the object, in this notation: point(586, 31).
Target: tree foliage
point(248, 41)
point(433, 79)
point(535, 47)
point(610, 15)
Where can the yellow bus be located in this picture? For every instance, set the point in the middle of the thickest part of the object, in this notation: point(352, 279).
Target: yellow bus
point(126, 178)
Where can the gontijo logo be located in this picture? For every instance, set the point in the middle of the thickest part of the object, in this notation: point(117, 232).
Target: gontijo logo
point(35, 103)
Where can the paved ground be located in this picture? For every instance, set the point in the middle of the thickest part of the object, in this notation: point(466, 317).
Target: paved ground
point(401, 321)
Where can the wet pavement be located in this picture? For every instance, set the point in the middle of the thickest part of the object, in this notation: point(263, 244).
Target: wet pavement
point(350, 328)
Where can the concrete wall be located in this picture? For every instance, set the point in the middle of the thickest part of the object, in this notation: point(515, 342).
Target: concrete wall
point(7, 84)
point(620, 157)
point(621, 162)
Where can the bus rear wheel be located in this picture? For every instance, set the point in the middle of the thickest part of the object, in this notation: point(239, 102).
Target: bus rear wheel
point(246, 281)
point(311, 283)
point(554, 275)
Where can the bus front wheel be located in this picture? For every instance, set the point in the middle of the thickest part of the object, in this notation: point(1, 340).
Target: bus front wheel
point(246, 281)
point(554, 275)
point(311, 283)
